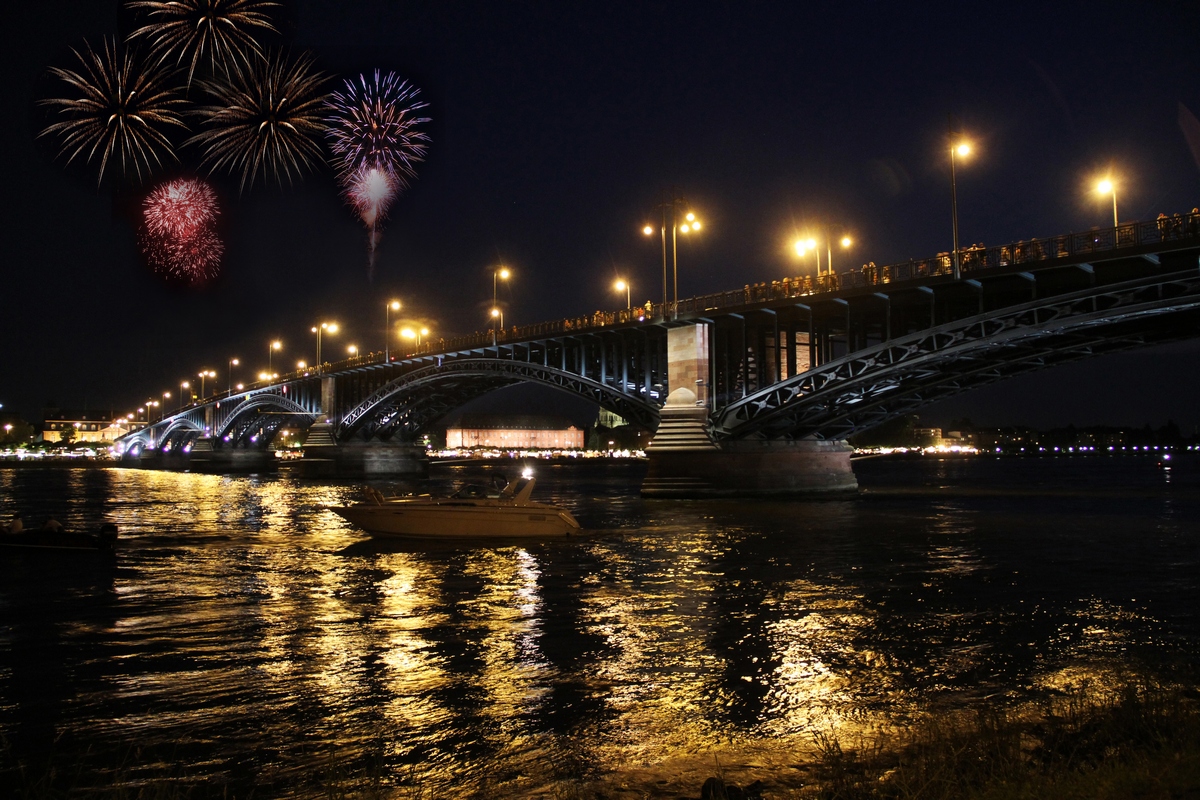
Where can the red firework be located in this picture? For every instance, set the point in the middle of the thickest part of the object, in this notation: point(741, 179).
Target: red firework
point(178, 235)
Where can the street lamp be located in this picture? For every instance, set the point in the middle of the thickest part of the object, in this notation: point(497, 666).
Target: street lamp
point(960, 149)
point(205, 373)
point(501, 273)
point(352, 350)
point(182, 386)
point(496, 314)
point(394, 305)
point(802, 248)
point(623, 286)
point(275, 345)
point(498, 274)
point(233, 362)
point(689, 224)
point(330, 327)
point(1106, 187)
point(301, 365)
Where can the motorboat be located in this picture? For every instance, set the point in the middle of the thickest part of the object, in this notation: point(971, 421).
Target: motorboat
point(472, 511)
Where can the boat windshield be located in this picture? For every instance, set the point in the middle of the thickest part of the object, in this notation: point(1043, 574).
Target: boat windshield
point(470, 491)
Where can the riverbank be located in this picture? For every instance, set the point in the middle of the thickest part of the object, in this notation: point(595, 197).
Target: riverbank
point(1141, 740)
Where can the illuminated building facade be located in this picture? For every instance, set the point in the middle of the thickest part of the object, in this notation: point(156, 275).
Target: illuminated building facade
point(89, 426)
point(522, 432)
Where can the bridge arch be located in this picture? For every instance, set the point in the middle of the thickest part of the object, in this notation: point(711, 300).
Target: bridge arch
point(873, 385)
point(244, 418)
point(407, 405)
point(181, 432)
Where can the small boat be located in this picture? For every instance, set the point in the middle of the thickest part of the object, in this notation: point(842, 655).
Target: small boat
point(472, 511)
point(103, 539)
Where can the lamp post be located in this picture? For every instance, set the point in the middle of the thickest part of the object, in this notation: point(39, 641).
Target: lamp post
point(275, 345)
point(501, 273)
point(623, 286)
point(352, 350)
point(233, 362)
point(1106, 186)
point(183, 385)
point(166, 396)
point(394, 305)
point(690, 223)
point(802, 248)
point(961, 149)
point(330, 327)
point(845, 242)
point(205, 373)
point(496, 314)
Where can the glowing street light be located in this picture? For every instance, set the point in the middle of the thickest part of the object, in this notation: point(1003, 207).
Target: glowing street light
point(233, 362)
point(205, 373)
point(388, 307)
point(301, 365)
point(182, 386)
point(496, 314)
point(962, 150)
point(275, 345)
point(1106, 186)
point(352, 350)
point(501, 273)
point(689, 224)
point(324, 327)
point(623, 286)
point(803, 246)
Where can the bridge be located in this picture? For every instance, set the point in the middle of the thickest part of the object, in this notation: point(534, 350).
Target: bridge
point(751, 391)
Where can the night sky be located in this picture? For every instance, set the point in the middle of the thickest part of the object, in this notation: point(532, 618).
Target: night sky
point(556, 126)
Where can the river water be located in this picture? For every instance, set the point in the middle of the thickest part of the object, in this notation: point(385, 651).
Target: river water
point(244, 640)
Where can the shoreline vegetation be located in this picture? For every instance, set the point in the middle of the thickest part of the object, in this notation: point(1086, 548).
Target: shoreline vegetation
point(1138, 740)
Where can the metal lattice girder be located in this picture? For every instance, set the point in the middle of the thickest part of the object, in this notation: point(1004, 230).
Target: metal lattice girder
point(418, 398)
point(248, 414)
point(871, 386)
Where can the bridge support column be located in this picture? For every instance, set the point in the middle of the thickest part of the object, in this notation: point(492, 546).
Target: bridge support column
point(204, 457)
point(685, 462)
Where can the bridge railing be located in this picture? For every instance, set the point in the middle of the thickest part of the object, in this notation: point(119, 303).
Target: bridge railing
point(971, 259)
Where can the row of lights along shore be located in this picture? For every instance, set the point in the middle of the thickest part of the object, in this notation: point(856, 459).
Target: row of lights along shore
point(675, 215)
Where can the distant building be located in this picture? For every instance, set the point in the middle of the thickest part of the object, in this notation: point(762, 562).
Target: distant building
point(89, 426)
point(609, 419)
point(514, 432)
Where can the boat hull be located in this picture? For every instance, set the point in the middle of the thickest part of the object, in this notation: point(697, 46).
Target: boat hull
point(444, 521)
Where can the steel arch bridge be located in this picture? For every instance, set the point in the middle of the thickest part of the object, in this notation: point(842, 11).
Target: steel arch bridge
point(797, 358)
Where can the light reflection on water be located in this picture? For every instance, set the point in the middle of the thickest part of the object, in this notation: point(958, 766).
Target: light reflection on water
point(245, 635)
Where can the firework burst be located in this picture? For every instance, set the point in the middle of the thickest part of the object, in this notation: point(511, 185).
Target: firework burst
point(115, 108)
point(178, 233)
point(372, 124)
point(265, 120)
point(372, 130)
point(371, 192)
point(219, 31)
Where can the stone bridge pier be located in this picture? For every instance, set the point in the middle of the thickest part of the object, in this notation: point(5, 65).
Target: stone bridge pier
point(324, 454)
point(686, 462)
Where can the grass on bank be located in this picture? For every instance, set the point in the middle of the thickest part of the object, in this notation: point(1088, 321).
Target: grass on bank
point(1141, 741)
